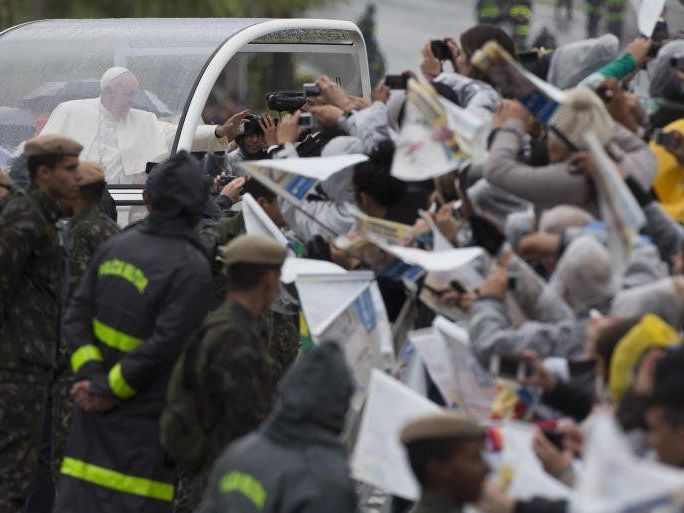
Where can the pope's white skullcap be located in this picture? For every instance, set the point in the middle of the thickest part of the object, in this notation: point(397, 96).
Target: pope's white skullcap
point(110, 75)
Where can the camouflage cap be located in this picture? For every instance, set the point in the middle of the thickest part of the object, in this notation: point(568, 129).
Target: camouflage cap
point(441, 425)
point(90, 172)
point(52, 145)
point(253, 249)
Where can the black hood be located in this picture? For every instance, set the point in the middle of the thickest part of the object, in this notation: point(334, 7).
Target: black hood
point(179, 191)
point(314, 397)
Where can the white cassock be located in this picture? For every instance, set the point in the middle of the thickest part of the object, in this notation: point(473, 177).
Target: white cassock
point(122, 146)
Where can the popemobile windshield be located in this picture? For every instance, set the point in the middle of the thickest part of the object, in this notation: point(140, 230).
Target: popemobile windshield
point(191, 75)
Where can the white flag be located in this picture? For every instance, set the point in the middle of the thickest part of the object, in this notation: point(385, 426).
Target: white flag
point(257, 221)
point(293, 179)
point(379, 459)
point(615, 480)
point(348, 309)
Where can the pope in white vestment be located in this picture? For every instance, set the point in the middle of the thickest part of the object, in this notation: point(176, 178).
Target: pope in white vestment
point(122, 139)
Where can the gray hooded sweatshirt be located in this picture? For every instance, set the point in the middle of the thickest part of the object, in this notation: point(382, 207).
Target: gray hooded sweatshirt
point(295, 462)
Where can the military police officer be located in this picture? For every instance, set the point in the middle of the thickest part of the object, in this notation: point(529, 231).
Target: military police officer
point(88, 229)
point(89, 226)
point(31, 287)
point(445, 453)
point(281, 327)
point(231, 364)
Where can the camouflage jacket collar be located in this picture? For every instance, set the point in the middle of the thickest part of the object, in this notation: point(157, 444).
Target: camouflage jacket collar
point(48, 206)
point(87, 213)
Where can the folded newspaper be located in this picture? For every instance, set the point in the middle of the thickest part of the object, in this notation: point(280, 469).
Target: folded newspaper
point(460, 379)
point(619, 210)
point(427, 145)
point(513, 81)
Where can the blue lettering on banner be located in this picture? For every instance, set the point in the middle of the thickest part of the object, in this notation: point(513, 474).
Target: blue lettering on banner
point(398, 270)
point(540, 105)
point(299, 186)
point(365, 311)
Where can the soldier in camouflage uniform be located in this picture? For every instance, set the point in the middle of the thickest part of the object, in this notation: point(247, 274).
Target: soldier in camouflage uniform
point(282, 329)
point(89, 227)
point(31, 288)
point(232, 366)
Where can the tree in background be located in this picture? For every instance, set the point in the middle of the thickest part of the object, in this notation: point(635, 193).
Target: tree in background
point(19, 11)
point(376, 61)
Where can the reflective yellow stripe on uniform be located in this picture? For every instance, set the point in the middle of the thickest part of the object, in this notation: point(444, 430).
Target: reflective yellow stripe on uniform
point(83, 355)
point(245, 484)
point(521, 10)
point(115, 338)
point(489, 12)
point(117, 481)
point(119, 385)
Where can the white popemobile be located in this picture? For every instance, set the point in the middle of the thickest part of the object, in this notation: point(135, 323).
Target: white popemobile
point(191, 73)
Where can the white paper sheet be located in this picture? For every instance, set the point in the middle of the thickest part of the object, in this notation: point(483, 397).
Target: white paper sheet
point(438, 359)
point(649, 14)
point(348, 309)
point(320, 168)
point(379, 458)
point(320, 306)
point(294, 267)
point(257, 221)
point(619, 209)
point(529, 478)
point(615, 480)
point(434, 261)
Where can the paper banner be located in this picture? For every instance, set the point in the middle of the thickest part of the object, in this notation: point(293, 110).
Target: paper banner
point(461, 380)
point(619, 210)
point(379, 458)
point(293, 179)
point(348, 309)
point(294, 267)
point(431, 261)
point(426, 146)
point(615, 480)
point(513, 81)
point(518, 461)
point(257, 221)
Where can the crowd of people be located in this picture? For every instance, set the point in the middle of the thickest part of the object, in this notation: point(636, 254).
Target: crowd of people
point(166, 367)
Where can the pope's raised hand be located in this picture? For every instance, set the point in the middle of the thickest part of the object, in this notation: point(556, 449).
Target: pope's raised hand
point(229, 129)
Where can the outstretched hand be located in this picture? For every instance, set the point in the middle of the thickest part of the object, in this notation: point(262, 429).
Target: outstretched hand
point(230, 128)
